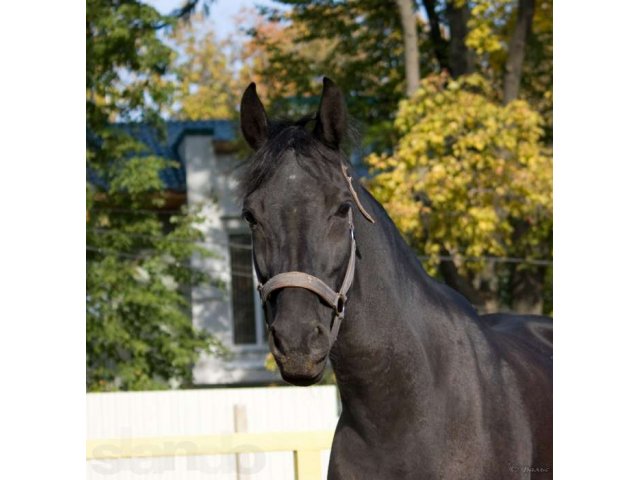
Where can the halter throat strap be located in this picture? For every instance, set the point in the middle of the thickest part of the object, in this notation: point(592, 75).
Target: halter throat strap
point(354, 194)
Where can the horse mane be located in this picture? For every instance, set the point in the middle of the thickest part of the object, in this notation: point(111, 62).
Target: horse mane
point(285, 135)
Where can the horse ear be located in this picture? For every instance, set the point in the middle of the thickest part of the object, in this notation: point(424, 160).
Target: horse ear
point(253, 118)
point(331, 124)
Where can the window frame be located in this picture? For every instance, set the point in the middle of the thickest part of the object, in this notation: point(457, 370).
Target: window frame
point(261, 345)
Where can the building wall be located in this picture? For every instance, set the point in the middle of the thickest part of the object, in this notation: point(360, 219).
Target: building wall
point(210, 184)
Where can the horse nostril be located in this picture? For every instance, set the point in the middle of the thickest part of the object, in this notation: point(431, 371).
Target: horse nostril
point(319, 330)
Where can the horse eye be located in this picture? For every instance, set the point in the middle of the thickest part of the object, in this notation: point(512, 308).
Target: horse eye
point(343, 209)
point(248, 217)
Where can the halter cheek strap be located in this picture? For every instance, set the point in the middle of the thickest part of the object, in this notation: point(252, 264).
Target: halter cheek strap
point(336, 300)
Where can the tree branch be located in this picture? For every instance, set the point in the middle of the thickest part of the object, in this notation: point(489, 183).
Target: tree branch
point(440, 45)
point(183, 12)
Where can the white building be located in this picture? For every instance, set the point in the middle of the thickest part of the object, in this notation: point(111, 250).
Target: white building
point(233, 313)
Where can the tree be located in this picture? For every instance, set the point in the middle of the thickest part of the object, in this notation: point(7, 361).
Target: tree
point(517, 46)
point(508, 41)
point(272, 50)
point(461, 59)
point(440, 45)
point(139, 331)
point(362, 51)
point(470, 179)
point(495, 37)
point(207, 87)
point(367, 57)
point(537, 72)
point(411, 57)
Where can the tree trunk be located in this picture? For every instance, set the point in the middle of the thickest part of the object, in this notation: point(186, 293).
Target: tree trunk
point(439, 44)
point(411, 59)
point(482, 291)
point(527, 291)
point(527, 285)
point(517, 48)
point(460, 57)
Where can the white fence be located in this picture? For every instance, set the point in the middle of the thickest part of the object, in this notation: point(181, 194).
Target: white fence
point(128, 415)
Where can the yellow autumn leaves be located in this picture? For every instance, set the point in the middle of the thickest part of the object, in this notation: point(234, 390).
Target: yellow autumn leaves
point(466, 172)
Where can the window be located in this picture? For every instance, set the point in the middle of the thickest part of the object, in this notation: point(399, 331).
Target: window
point(247, 329)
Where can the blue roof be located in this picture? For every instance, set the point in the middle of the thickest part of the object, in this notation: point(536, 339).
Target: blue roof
point(175, 178)
point(220, 130)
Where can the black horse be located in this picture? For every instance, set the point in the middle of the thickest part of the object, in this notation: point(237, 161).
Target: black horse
point(430, 389)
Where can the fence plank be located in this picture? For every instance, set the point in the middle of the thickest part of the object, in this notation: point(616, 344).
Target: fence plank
point(208, 445)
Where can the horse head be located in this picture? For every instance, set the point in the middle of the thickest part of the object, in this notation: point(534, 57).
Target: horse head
point(298, 201)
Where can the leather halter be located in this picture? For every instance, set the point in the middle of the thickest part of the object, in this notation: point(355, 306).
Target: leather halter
point(336, 300)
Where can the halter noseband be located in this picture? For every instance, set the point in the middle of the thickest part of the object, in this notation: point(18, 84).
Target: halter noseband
point(337, 300)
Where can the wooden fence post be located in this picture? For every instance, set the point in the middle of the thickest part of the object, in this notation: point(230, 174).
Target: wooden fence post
point(240, 426)
point(308, 464)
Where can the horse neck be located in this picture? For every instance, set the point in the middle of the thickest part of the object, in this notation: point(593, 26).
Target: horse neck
point(398, 322)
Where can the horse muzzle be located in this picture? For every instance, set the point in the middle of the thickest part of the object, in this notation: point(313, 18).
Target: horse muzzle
point(301, 366)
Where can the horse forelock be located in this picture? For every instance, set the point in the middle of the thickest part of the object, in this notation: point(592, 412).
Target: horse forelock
point(286, 135)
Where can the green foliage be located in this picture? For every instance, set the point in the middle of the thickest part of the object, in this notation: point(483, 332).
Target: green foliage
point(139, 330)
point(469, 176)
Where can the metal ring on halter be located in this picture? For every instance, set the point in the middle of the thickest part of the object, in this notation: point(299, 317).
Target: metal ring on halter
point(341, 305)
